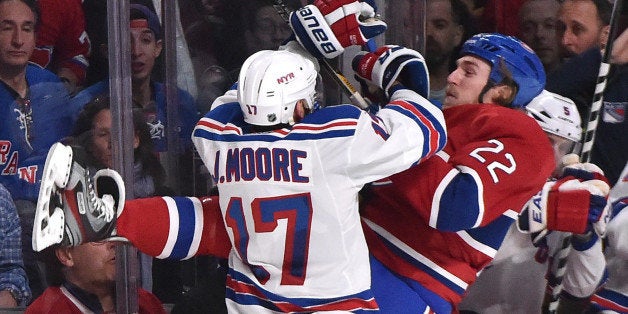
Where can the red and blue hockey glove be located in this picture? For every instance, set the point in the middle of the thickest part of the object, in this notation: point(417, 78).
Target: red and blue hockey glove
point(575, 203)
point(328, 26)
point(393, 63)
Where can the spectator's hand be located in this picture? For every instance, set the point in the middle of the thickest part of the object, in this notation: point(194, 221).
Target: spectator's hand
point(390, 64)
point(328, 26)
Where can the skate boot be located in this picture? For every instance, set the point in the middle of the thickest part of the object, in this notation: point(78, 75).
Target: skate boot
point(84, 209)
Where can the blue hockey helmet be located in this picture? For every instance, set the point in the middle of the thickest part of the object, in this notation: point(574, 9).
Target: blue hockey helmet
point(524, 65)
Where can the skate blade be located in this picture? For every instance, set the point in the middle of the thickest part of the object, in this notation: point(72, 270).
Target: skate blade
point(48, 228)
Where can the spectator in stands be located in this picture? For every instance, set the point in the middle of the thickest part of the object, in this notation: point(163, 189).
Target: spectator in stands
point(584, 24)
point(261, 27)
point(62, 43)
point(14, 289)
point(476, 8)
point(146, 46)
point(83, 280)
point(448, 26)
point(619, 55)
point(577, 77)
point(97, 29)
point(537, 25)
point(93, 132)
point(35, 112)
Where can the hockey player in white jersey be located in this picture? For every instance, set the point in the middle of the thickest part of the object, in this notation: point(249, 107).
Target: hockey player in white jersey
point(518, 260)
point(288, 177)
point(613, 296)
point(288, 182)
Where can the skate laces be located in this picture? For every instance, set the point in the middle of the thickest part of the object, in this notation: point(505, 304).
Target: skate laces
point(101, 207)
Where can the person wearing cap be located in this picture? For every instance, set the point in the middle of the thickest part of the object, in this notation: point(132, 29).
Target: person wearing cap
point(83, 280)
point(148, 94)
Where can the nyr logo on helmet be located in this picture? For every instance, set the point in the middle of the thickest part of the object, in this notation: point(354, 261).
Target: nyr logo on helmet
point(286, 78)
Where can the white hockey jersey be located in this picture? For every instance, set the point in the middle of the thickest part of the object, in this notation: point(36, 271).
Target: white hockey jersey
point(614, 295)
point(289, 198)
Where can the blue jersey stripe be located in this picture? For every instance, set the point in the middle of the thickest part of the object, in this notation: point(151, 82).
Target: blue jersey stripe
point(269, 299)
point(264, 137)
point(494, 233)
point(186, 227)
point(456, 212)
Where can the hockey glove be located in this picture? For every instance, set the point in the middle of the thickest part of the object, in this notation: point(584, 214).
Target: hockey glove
point(328, 26)
point(571, 204)
point(393, 63)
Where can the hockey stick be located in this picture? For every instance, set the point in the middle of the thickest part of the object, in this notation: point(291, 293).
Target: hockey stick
point(354, 96)
point(589, 137)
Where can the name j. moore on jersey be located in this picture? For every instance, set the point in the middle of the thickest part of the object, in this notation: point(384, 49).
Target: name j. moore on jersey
point(277, 164)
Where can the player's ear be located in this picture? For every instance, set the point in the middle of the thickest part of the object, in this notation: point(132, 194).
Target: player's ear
point(64, 255)
point(300, 110)
point(136, 141)
point(499, 94)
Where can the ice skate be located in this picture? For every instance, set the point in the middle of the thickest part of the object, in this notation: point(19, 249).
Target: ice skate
point(83, 209)
point(48, 225)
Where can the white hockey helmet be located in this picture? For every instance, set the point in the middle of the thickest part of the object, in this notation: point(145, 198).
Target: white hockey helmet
point(556, 115)
point(271, 83)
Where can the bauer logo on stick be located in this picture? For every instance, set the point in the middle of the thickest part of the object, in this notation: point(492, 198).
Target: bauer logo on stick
point(318, 30)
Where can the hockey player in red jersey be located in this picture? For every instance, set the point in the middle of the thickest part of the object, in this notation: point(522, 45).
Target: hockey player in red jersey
point(518, 260)
point(437, 225)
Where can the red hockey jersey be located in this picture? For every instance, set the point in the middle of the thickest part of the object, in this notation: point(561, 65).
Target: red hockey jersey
point(441, 223)
point(61, 38)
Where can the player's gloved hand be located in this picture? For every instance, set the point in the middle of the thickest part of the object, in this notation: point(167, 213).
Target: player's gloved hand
point(583, 171)
point(575, 203)
point(591, 173)
point(326, 27)
point(393, 63)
